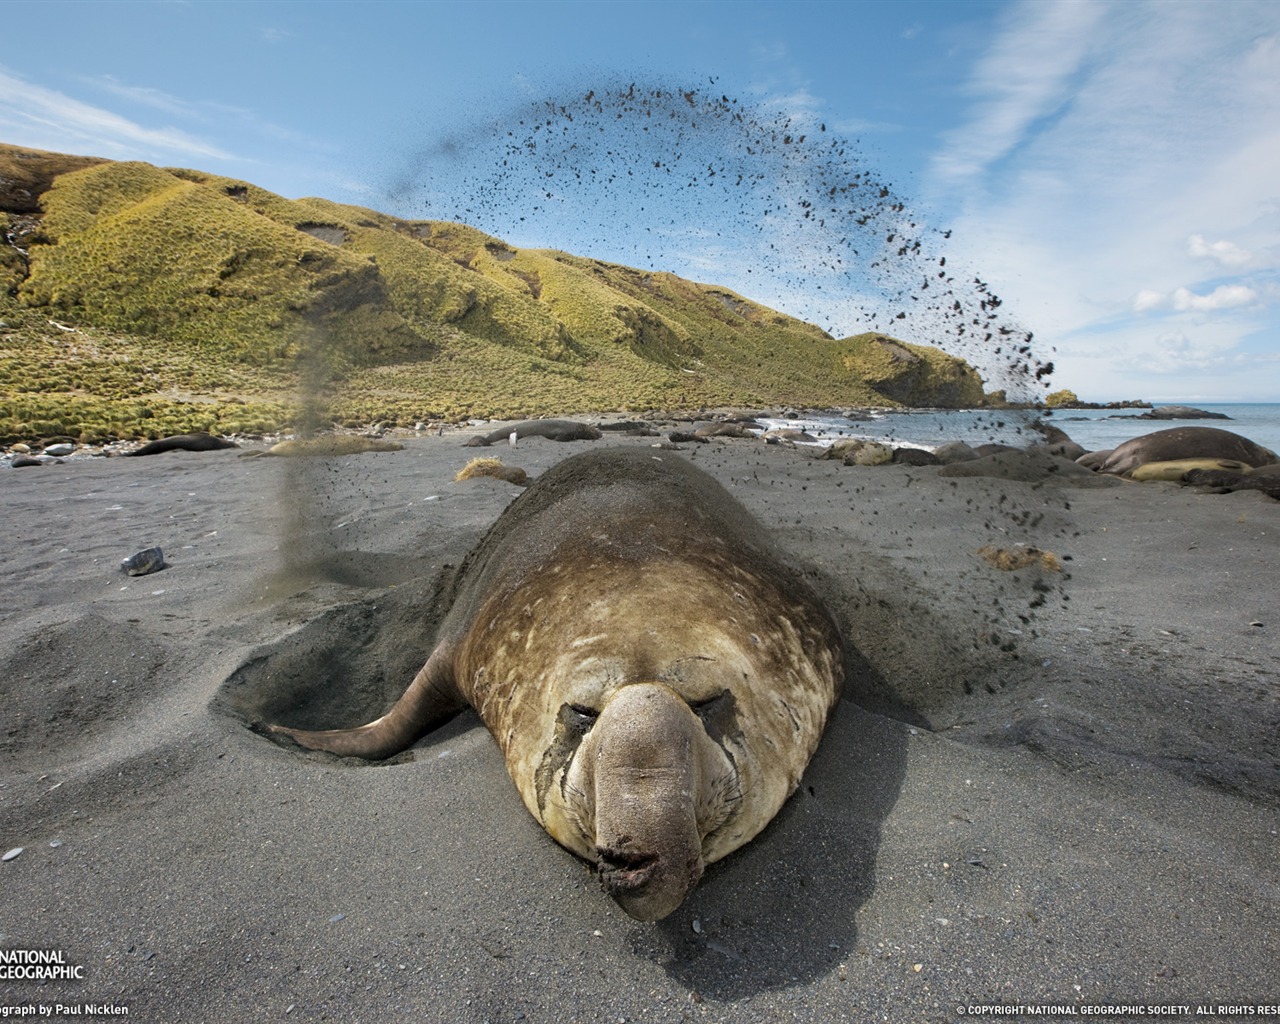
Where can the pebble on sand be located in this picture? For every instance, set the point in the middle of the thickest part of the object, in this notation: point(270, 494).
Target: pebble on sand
point(144, 562)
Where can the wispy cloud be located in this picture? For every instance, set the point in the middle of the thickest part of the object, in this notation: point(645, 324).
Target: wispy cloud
point(1114, 179)
point(202, 112)
point(774, 51)
point(141, 95)
point(863, 126)
point(43, 118)
point(1026, 75)
point(1226, 253)
point(1174, 352)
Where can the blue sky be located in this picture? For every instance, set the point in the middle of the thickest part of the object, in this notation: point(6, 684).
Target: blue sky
point(1109, 168)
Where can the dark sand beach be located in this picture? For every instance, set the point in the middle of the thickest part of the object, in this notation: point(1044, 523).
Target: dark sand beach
point(1043, 786)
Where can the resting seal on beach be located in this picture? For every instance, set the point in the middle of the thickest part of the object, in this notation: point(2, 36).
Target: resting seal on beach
point(655, 674)
point(184, 443)
point(327, 446)
point(552, 430)
point(1175, 470)
point(1181, 443)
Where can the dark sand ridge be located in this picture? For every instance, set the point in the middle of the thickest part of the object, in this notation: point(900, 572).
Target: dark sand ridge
point(1056, 787)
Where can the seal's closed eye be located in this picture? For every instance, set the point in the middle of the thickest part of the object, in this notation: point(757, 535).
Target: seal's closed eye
point(578, 716)
point(719, 716)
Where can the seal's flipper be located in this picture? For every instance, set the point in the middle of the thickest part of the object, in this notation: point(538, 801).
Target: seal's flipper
point(430, 699)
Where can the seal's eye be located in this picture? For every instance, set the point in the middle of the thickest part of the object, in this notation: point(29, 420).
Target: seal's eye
point(702, 708)
point(718, 715)
point(579, 716)
point(573, 722)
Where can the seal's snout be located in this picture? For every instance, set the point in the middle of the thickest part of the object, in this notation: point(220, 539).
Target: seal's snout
point(646, 770)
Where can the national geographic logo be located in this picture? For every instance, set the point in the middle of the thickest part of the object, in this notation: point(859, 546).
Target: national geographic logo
point(37, 965)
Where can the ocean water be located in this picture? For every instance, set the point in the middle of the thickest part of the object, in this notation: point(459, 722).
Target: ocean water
point(1091, 428)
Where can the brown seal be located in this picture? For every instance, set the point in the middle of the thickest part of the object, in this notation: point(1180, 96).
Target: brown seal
point(1176, 469)
point(1179, 443)
point(201, 442)
point(656, 675)
point(327, 446)
point(552, 430)
point(492, 468)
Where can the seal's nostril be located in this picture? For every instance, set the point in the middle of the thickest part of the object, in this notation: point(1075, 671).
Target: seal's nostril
point(623, 871)
point(624, 860)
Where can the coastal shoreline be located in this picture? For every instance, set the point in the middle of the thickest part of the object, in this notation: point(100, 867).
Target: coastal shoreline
point(925, 428)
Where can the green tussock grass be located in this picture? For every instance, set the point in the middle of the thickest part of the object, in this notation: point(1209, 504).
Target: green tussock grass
point(200, 302)
point(912, 375)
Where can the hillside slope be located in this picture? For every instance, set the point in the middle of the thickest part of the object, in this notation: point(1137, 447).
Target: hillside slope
point(137, 300)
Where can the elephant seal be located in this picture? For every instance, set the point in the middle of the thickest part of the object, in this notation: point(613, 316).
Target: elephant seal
point(552, 430)
point(1225, 481)
point(1094, 460)
point(1176, 469)
point(326, 446)
point(492, 468)
point(656, 675)
point(730, 428)
point(915, 457)
point(788, 434)
point(1180, 443)
point(200, 442)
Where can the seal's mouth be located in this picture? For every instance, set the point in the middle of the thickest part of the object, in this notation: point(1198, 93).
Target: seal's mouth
point(624, 872)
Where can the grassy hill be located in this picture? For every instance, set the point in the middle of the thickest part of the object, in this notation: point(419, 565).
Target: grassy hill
point(139, 301)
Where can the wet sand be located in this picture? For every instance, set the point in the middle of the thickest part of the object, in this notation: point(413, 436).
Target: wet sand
point(1042, 787)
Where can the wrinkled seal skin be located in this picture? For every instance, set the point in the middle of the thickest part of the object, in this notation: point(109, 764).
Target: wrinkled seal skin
point(1179, 443)
point(655, 674)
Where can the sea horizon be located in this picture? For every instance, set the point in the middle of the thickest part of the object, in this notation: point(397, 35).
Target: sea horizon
point(1092, 429)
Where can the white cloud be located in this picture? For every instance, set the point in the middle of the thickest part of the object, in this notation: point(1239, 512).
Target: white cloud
point(34, 116)
point(1227, 253)
point(1227, 296)
point(1148, 299)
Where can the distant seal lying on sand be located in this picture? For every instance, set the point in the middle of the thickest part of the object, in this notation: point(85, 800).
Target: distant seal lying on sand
point(1177, 469)
point(656, 676)
point(1180, 443)
point(1265, 479)
point(553, 430)
point(185, 443)
point(1094, 460)
point(492, 468)
point(326, 446)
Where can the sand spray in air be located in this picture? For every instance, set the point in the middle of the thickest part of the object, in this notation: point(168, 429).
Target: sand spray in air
point(753, 196)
